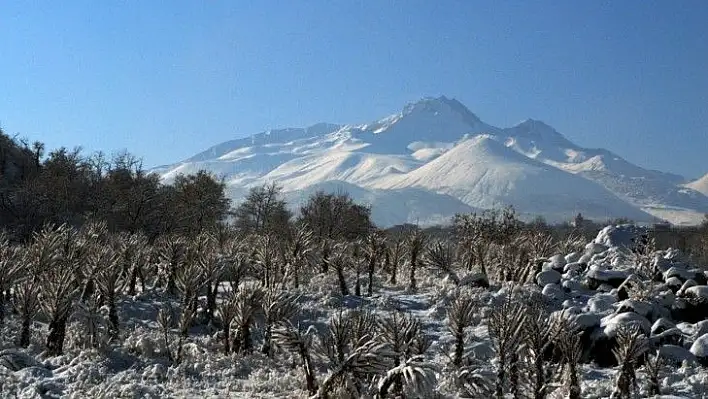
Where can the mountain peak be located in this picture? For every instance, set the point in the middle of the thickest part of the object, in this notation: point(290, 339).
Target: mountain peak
point(441, 105)
point(537, 129)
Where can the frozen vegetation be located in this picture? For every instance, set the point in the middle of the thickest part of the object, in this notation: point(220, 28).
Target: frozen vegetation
point(495, 310)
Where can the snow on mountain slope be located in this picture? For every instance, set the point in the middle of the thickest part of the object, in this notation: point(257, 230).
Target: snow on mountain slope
point(658, 193)
point(700, 185)
point(353, 167)
point(431, 144)
point(484, 173)
point(390, 207)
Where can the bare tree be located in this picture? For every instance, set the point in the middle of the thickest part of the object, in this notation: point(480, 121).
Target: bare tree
point(263, 211)
point(416, 245)
point(395, 254)
point(374, 250)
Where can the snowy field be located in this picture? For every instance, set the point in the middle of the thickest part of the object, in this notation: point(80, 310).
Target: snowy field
point(356, 345)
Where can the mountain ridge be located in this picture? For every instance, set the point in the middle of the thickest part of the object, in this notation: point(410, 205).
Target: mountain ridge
point(394, 153)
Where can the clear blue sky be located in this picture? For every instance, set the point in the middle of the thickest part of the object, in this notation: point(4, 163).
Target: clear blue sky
point(165, 79)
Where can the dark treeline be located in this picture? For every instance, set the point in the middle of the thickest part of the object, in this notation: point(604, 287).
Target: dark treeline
point(67, 187)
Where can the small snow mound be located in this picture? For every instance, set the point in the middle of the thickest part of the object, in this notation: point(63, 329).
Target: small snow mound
point(700, 347)
point(601, 303)
point(681, 273)
point(572, 257)
point(622, 235)
point(613, 322)
point(553, 291)
point(697, 291)
point(594, 248)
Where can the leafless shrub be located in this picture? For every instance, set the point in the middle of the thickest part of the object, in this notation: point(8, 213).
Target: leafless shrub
point(395, 254)
point(505, 325)
point(171, 254)
point(375, 246)
point(105, 260)
point(631, 344)
point(441, 256)
point(573, 242)
point(653, 367)
point(278, 306)
point(28, 304)
point(366, 359)
point(511, 262)
point(460, 316)
point(571, 351)
point(416, 241)
point(60, 284)
point(641, 255)
point(10, 270)
point(539, 332)
point(540, 244)
point(292, 338)
point(414, 373)
point(246, 306)
point(165, 319)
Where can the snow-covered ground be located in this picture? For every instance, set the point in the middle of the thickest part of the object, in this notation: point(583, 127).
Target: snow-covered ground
point(595, 287)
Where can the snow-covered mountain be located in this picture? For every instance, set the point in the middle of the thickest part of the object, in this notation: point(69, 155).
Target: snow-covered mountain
point(436, 158)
